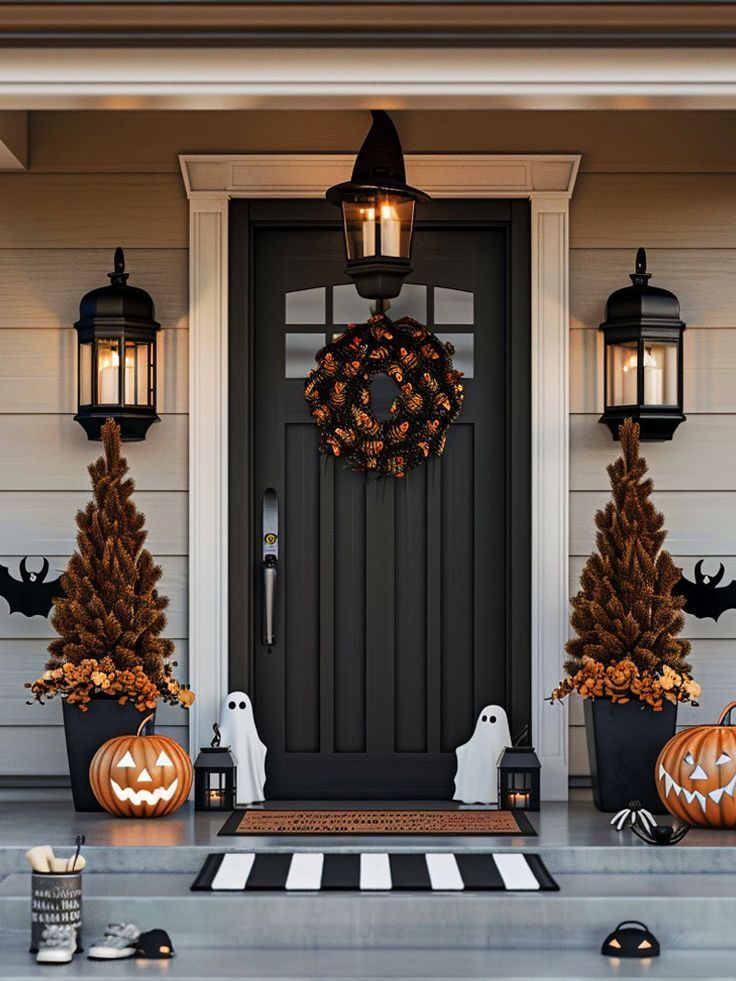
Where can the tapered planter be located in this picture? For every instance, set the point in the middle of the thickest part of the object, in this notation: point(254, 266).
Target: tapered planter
point(85, 732)
point(624, 742)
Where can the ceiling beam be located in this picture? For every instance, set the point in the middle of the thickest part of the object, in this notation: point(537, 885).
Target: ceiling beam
point(13, 139)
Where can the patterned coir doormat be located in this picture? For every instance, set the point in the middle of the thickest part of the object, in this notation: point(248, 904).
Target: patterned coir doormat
point(376, 822)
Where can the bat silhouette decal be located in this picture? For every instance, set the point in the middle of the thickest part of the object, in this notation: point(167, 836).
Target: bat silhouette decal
point(30, 595)
point(705, 598)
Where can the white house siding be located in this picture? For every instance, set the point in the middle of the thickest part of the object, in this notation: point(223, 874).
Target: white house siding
point(57, 236)
point(687, 221)
point(98, 180)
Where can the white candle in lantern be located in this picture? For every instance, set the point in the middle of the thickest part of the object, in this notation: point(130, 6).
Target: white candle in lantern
point(130, 393)
point(107, 380)
point(390, 231)
point(653, 380)
point(369, 231)
point(628, 391)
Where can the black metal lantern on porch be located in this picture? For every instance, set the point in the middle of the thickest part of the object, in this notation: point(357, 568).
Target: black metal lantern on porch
point(518, 779)
point(643, 357)
point(378, 213)
point(116, 335)
point(214, 777)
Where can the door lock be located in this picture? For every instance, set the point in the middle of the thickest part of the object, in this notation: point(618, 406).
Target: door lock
point(270, 564)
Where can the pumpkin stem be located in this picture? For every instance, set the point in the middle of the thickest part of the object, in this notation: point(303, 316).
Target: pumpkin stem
point(151, 716)
point(727, 710)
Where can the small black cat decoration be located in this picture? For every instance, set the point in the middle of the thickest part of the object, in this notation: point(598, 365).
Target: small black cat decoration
point(706, 597)
point(30, 595)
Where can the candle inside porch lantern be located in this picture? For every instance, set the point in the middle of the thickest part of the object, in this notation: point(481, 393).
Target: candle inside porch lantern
point(629, 394)
point(107, 380)
point(369, 231)
point(390, 231)
point(653, 379)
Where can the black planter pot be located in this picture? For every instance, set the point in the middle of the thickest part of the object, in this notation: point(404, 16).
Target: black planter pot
point(624, 742)
point(85, 732)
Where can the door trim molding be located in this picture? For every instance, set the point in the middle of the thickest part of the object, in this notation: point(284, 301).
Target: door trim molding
point(547, 180)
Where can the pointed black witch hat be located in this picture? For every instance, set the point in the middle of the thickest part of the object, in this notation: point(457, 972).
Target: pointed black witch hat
point(379, 164)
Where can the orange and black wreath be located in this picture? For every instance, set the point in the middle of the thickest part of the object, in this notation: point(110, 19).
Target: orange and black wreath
point(428, 398)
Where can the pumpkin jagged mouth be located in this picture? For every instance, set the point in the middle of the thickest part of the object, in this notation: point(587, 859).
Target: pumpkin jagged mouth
point(691, 795)
point(139, 797)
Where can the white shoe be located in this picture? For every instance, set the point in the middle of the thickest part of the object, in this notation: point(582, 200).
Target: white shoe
point(58, 944)
point(118, 942)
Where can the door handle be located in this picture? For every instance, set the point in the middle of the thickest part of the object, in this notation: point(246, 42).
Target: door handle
point(270, 564)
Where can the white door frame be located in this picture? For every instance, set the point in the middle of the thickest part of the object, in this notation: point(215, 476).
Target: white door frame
point(547, 182)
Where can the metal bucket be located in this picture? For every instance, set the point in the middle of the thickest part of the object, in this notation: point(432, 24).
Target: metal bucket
point(56, 897)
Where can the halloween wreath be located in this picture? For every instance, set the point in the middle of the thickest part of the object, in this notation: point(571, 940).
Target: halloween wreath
point(429, 396)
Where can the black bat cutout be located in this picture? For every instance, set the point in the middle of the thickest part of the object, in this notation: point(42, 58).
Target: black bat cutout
point(30, 595)
point(704, 597)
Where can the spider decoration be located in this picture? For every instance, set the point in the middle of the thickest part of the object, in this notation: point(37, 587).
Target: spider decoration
point(633, 815)
point(428, 397)
point(641, 821)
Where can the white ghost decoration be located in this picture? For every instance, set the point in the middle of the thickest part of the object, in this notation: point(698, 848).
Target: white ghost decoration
point(476, 780)
point(238, 731)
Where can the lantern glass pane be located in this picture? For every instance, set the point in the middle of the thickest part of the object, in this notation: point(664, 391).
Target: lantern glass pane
point(108, 371)
point(622, 362)
point(379, 223)
point(137, 373)
point(660, 372)
point(85, 373)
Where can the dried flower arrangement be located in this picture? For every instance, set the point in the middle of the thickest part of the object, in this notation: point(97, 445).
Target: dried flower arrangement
point(110, 619)
point(625, 616)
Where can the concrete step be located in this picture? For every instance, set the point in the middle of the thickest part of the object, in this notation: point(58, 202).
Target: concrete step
point(694, 911)
point(509, 964)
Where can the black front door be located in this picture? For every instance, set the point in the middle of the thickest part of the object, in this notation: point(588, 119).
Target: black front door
point(402, 606)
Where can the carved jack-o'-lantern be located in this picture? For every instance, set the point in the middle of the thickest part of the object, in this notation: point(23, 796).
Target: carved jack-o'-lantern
point(696, 774)
point(141, 776)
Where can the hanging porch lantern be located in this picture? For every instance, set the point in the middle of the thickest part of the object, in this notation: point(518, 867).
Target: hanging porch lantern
point(116, 336)
point(378, 213)
point(643, 357)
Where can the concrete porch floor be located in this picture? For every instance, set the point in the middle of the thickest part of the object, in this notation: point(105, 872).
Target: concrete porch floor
point(141, 871)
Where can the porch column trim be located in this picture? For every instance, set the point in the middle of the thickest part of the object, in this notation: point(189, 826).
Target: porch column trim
point(547, 180)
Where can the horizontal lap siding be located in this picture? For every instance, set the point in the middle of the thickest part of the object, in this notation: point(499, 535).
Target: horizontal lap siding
point(57, 237)
point(686, 223)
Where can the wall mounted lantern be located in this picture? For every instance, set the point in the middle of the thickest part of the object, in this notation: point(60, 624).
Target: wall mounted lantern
point(518, 779)
point(643, 357)
point(378, 213)
point(116, 338)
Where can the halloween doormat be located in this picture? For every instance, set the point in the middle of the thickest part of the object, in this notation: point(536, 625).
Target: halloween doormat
point(373, 871)
point(376, 822)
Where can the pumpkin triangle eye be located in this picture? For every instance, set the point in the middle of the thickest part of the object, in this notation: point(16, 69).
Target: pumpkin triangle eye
point(689, 759)
point(644, 945)
point(615, 943)
point(163, 760)
point(723, 758)
point(127, 760)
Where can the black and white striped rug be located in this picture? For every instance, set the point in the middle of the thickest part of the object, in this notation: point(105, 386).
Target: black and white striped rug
point(373, 871)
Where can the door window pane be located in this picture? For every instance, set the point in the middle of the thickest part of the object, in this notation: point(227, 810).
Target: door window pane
point(453, 306)
point(300, 350)
point(348, 307)
point(411, 302)
point(464, 357)
point(306, 306)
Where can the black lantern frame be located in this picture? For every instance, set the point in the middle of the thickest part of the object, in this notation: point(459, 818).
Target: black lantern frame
point(643, 358)
point(117, 355)
point(378, 213)
point(518, 779)
point(214, 779)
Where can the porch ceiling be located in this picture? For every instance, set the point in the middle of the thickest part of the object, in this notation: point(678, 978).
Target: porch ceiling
point(422, 78)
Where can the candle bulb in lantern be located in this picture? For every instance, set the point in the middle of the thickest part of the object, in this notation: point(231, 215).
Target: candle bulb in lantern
point(653, 380)
point(369, 231)
point(390, 231)
point(108, 379)
point(629, 391)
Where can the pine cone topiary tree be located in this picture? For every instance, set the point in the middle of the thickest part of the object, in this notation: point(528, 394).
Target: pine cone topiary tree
point(625, 616)
point(111, 616)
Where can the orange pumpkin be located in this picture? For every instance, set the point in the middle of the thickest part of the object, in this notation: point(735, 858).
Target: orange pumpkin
point(141, 776)
point(696, 774)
